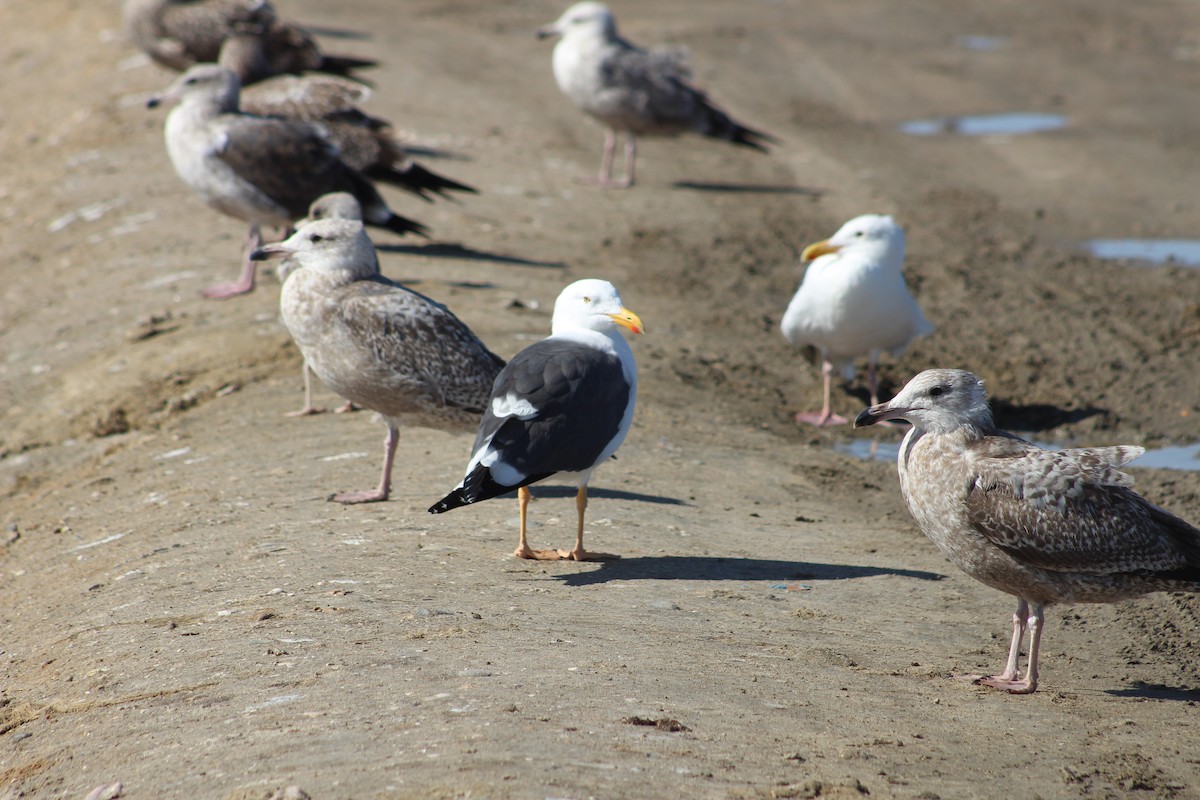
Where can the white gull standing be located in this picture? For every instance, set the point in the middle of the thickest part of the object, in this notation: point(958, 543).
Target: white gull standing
point(561, 407)
point(377, 343)
point(263, 171)
point(853, 302)
point(1047, 526)
point(632, 91)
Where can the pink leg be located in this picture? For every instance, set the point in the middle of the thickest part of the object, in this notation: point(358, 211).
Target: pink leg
point(630, 162)
point(385, 478)
point(826, 416)
point(245, 281)
point(309, 409)
point(1009, 679)
point(606, 160)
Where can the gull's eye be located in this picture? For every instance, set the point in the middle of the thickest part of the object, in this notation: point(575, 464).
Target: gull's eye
point(936, 391)
point(316, 237)
point(587, 299)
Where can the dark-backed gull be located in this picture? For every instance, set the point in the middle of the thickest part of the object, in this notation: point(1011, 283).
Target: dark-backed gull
point(1047, 526)
point(852, 303)
point(377, 343)
point(561, 407)
point(263, 171)
point(632, 91)
point(366, 143)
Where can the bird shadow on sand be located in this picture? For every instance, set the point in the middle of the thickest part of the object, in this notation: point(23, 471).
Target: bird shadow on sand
point(1156, 691)
point(338, 33)
point(747, 188)
point(710, 568)
point(444, 250)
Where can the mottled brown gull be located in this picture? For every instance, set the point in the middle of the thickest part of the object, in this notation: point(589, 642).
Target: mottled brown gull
point(632, 91)
point(561, 407)
point(336, 205)
point(1047, 526)
point(366, 143)
point(377, 343)
point(263, 171)
point(853, 303)
point(180, 33)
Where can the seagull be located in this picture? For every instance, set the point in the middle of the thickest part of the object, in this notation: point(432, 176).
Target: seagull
point(335, 205)
point(377, 343)
point(853, 302)
point(263, 171)
point(561, 407)
point(632, 91)
point(180, 33)
point(365, 143)
point(1046, 526)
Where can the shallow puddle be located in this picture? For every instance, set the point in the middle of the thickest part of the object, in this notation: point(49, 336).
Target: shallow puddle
point(1183, 457)
point(985, 124)
point(1185, 252)
point(981, 43)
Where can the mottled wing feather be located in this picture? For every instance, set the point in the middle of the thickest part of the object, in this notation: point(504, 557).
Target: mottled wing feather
point(656, 82)
point(292, 163)
point(580, 396)
point(424, 341)
point(1067, 510)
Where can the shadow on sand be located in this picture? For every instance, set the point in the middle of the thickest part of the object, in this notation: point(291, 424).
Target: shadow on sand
point(1156, 691)
point(747, 188)
point(444, 250)
point(710, 568)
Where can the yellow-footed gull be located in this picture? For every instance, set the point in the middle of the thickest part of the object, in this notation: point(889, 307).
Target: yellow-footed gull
point(561, 407)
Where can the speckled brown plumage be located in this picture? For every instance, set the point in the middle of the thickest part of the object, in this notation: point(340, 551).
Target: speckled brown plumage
point(180, 33)
point(1047, 526)
point(377, 343)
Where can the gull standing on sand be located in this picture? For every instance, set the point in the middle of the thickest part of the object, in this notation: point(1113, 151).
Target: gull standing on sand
point(853, 302)
point(1047, 526)
point(561, 407)
point(366, 143)
point(263, 171)
point(180, 33)
point(377, 343)
point(632, 91)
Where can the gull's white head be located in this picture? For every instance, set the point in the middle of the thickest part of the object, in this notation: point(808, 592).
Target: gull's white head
point(594, 305)
point(330, 246)
point(936, 400)
point(582, 19)
point(335, 205)
point(202, 83)
point(873, 235)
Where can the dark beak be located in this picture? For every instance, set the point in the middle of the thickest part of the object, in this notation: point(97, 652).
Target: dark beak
point(869, 416)
point(154, 102)
point(546, 31)
point(268, 252)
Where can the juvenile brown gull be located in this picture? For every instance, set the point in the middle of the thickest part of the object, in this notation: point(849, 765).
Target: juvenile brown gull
point(336, 205)
point(264, 171)
point(561, 407)
point(1047, 526)
point(852, 303)
point(180, 33)
point(377, 343)
point(632, 91)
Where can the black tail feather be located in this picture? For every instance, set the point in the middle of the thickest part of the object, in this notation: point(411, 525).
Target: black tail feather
point(344, 65)
point(419, 180)
point(404, 225)
point(478, 486)
point(719, 125)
